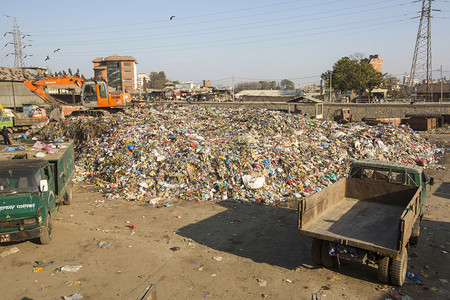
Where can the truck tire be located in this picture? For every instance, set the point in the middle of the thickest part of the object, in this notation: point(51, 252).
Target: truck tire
point(316, 251)
point(383, 269)
point(68, 196)
point(46, 231)
point(414, 239)
point(325, 257)
point(398, 268)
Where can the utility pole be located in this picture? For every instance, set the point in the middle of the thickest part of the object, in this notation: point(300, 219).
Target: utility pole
point(18, 45)
point(331, 77)
point(422, 51)
point(233, 88)
point(442, 87)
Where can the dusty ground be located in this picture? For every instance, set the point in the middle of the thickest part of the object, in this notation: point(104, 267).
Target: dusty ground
point(226, 251)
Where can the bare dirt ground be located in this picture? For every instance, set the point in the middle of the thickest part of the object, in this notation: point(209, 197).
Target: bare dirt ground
point(209, 250)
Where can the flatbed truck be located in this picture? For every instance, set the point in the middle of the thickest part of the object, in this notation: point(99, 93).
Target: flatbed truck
point(371, 217)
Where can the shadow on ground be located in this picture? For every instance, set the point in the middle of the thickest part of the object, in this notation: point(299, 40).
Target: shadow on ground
point(443, 191)
point(264, 234)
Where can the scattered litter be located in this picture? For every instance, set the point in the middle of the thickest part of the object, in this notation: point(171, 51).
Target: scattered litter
point(415, 254)
point(71, 283)
point(397, 295)
point(9, 252)
point(41, 265)
point(104, 244)
point(73, 297)
point(414, 277)
point(288, 280)
point(175, 248)
point(434, 289)
point(218, 258)
point(132, 227)
point(443, 280)
point(261, 282)
point(70, 268)
point(445, 252)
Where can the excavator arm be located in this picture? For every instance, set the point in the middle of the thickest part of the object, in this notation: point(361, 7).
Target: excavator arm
point(35, 86)
point(39, 91)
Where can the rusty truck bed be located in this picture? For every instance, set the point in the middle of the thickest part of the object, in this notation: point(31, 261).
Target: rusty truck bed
point(371, 215)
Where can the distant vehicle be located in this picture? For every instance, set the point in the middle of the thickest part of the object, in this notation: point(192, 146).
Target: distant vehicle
point(371, 217)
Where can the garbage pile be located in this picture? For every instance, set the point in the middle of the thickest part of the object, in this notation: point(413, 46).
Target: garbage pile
point(215, 154)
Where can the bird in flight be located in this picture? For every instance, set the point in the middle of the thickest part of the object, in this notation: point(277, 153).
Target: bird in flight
point(47, 58)
point(172, 17)
point(56, 50)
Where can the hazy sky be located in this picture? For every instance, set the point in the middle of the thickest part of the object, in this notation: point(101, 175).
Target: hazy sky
point(250, 39)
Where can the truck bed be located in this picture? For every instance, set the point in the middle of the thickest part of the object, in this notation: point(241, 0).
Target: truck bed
point(362, 221)
point(30, 151)
point(375, 216)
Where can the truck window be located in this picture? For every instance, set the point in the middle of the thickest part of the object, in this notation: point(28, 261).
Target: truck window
point(397, 177)
point(367, 173)
point(24, 180)
point(381, 175)
point(355, 172)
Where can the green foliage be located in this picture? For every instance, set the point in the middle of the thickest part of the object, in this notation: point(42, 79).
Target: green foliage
point(353, 74)
point(157, 80)
point(287, 84)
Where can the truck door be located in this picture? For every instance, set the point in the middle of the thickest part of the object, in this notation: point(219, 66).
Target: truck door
point(49, 196)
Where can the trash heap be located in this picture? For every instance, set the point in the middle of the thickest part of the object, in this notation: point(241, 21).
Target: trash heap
point(214, 154)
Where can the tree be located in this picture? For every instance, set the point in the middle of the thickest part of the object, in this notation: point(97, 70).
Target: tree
point(157, 80)
point(268, 85)
point(353, 75)
point(286, 84)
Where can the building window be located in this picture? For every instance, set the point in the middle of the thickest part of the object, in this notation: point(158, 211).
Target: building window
point(127, 64)
point(128, 80)
point(127, 72)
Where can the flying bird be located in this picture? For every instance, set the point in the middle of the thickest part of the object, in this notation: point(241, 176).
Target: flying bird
point(172, 17)
point(47, 58)
point(56, 50)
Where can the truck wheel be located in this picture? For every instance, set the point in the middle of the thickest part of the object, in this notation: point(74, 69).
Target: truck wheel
point(46, 231)
point(398, 268)
point(325, 257)
point(316, 251)
point(383, 269)
point(68, 196)
point(414, 239)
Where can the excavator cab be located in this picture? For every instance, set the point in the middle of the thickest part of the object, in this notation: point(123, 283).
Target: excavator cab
point(95, 94)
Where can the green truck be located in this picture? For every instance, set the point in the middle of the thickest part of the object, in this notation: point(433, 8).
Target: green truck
point(30, 188)
point(370, 217)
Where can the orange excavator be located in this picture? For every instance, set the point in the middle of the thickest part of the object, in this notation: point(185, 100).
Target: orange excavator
point(94, 94)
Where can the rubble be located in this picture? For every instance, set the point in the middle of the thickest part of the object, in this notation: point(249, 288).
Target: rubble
point(216, 154)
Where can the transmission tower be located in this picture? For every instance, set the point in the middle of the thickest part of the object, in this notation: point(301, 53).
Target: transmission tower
point(422, 51)
point(18, 45)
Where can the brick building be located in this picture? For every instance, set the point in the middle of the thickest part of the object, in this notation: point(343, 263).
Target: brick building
point(376, 62)
point(118, 71)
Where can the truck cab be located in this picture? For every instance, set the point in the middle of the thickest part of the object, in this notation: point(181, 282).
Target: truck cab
point(27, 200)
point(31, 187)
point(393, 172)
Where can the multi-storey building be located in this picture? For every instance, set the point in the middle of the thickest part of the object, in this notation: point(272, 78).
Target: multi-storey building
point(118, 71)
point(143, 80)
point(376, 62)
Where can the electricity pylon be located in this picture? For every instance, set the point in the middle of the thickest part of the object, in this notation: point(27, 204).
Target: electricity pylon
point(422, 51)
